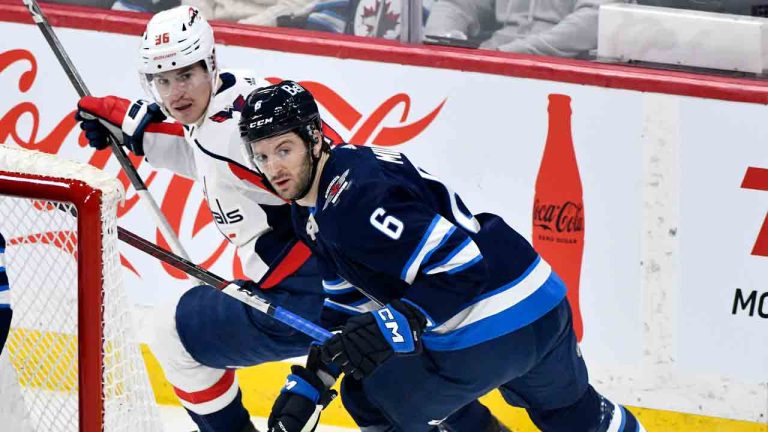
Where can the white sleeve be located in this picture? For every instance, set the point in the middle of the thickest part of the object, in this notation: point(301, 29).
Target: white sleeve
point(171, 152)
point(573, 35)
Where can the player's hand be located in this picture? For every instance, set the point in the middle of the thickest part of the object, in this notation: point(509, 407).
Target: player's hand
point(124, 120)
point(368, 340)
point(306, 393)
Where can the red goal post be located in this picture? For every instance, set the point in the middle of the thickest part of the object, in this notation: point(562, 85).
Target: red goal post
point(71, 346)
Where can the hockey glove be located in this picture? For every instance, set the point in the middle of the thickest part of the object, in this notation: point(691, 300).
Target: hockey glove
point(306, 393)
point(121, 118)
point(368, 340)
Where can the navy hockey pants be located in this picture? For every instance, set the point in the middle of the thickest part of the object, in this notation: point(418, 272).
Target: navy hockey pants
point(220, 331)
point(538, 367)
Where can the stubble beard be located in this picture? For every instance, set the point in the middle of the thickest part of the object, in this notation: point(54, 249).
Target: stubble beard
point(302, 180)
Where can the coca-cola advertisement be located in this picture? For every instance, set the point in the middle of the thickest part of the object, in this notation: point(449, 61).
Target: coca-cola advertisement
point(558, 207)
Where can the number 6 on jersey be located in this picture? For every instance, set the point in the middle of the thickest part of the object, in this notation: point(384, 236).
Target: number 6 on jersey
point(389, 225)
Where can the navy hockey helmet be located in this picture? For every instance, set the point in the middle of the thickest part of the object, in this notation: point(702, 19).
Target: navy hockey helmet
point(278, 109)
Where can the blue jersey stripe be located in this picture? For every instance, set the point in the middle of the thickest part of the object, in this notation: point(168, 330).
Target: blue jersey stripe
point(533, 307)
point(339, 291)
point(338, 287)
point(4, 288)
point(435, 235)
point(450, 256)
point(623, 417)
point(415, 254)
point(355, 308)
point(469, 263)
point(442, 242)
point(337, 307)
point(509, 285)
point(338, 281)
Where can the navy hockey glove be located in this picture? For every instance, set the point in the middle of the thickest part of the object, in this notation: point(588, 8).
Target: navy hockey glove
point(306, 393)
point(121, 118)
point(368, 340)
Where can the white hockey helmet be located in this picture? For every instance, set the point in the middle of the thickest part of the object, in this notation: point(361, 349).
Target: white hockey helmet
point(176, 38)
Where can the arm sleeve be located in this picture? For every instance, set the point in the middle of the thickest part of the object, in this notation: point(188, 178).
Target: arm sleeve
point(573, 35)
point(404, 238)
point(465, 16)
point(165, 147)
point(342, 299)
point(268, 17)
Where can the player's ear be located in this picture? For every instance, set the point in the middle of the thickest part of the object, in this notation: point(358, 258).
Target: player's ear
point(317, 148)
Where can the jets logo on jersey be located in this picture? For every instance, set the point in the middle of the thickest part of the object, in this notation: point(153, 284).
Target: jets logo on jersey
point(227, 217)
point(338, 185)
point(226, 113)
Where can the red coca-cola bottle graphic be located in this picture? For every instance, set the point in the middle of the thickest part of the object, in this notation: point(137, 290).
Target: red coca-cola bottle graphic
point(558, 207)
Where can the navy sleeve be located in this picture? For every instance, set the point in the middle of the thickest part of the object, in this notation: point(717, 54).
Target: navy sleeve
point(342, 298)
point(397, 233)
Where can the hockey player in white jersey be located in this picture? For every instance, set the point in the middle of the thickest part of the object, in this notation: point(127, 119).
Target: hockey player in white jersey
point(201, 336)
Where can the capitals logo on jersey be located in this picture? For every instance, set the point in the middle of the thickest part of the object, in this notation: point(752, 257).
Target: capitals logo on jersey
point(226, 113)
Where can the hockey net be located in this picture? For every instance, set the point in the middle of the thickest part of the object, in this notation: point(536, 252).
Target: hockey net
point(76, 363)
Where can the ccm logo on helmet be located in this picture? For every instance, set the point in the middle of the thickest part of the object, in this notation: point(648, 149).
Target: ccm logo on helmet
point(261, 122)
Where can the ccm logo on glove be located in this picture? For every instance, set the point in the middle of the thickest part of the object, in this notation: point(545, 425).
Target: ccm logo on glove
point(391, 323)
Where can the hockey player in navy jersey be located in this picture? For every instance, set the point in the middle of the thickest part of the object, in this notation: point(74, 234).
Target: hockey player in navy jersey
point(466, 304)
point(6, 313)
point(199, 337)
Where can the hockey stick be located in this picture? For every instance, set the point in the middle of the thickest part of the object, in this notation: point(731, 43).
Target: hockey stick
point(246, 296)
point(82, 90)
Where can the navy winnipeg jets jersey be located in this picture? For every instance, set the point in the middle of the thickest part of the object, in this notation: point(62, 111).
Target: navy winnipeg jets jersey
point(391, 230)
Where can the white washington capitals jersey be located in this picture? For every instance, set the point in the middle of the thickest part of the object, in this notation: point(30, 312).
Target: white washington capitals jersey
point(253, 219)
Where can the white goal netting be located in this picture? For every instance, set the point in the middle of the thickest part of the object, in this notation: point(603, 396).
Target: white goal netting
point(71, 362)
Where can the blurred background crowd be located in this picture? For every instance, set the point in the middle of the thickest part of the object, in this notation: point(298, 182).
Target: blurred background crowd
point(562, 28)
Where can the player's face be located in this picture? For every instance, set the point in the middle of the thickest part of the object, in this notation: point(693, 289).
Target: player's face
point(284, 160)
point(185, 92)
